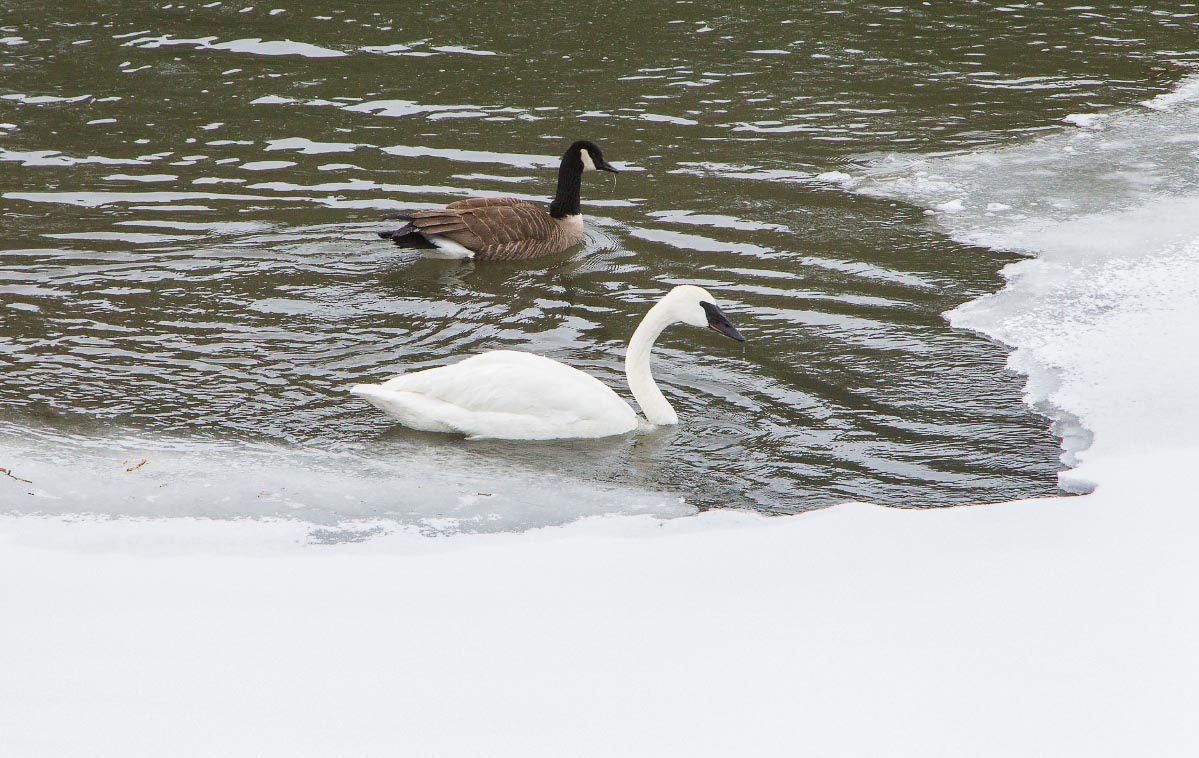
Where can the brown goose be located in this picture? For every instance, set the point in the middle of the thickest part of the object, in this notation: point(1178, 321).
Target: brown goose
point(504, 228)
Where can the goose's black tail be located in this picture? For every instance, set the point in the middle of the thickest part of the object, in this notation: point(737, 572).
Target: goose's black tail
point(406, 235)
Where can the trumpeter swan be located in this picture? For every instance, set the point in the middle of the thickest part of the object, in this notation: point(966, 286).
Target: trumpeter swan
point(509, 394)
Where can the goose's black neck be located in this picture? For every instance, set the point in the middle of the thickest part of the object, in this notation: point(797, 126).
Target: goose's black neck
point(570, 182)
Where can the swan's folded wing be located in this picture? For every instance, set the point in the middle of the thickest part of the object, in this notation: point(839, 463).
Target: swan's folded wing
point(510, 381)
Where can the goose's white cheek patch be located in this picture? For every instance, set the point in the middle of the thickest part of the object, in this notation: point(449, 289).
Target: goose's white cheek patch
point(588, 164)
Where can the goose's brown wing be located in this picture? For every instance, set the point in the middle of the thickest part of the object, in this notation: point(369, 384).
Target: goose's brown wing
point(508, 231)
point(485, 202)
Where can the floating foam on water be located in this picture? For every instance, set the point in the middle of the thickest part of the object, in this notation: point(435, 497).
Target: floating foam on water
point(1102, 318)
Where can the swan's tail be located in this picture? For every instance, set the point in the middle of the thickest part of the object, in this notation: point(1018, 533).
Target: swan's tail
point(409, 408)
point(365, 390)
point(374, 394)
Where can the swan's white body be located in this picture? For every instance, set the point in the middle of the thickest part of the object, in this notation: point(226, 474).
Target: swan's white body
point(508, 394)
point(503, 394)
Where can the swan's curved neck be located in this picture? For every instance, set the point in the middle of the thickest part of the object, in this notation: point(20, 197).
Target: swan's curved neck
point(636, 367)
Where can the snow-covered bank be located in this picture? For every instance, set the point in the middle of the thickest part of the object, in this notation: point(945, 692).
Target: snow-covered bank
point(1059, 627)
point(1102, 317)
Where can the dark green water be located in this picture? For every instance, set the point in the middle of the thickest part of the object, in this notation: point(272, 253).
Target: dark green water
point(189, 271)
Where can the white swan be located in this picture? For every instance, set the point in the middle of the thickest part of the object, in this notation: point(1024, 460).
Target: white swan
point(508, 394)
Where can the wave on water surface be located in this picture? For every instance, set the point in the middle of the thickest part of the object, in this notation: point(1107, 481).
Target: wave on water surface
point(1102, 316)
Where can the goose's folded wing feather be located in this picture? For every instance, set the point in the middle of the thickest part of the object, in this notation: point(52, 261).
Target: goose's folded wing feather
point(488, 228)
point(484, 202)
point(510, 381)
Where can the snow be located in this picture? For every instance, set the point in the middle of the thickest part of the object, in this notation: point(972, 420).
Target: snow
point(1054, 627)
point(1084, 120)
point(1101, 315)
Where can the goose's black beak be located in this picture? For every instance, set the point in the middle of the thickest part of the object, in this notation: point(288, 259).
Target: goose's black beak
point(603, 165)
point(719, 322)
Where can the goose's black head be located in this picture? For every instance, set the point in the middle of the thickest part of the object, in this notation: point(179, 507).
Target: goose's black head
point(589, 155)
point(579, 157)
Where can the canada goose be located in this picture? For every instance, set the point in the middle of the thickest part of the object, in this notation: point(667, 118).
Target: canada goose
point(504, 228)
point(509, 394)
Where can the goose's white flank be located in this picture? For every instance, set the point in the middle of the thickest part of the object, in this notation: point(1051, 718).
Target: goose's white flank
point(509, 394)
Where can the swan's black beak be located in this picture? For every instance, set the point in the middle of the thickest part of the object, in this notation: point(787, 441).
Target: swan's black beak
point(603, 165)
point(719, 322)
